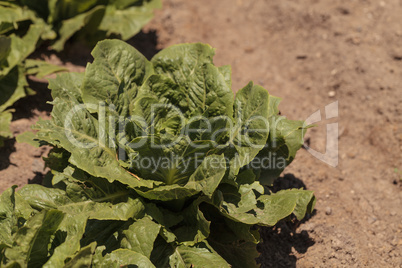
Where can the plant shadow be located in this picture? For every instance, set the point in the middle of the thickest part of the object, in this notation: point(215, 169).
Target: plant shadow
point(24, 108)
point(146, 43)
point(5, 152)
point(278, 243)
point(79, 53)
point(38, 179)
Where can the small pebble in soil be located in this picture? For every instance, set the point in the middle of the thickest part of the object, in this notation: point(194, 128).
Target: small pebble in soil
point(301, 57)
point(336, 244)
point(328, 211)
point(394, 242)
point(371, 220)
point(331, 93)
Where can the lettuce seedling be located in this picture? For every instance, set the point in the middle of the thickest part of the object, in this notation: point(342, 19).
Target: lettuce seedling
point(155, 164)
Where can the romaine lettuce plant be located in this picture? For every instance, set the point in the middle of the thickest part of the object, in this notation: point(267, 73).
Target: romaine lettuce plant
point(155, 164)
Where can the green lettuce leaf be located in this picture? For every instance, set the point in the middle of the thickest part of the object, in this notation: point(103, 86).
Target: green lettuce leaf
point(120, 258)
point(5, 132)
point(114, 76)
point(41, 69)
point(62, 10)
point(200, 255)
point(12, 88)
point(29, 245)
point(267, 209)
point(90, 20)
point(190, 66)
point(83, 258)
point(8, 218)
point(83, 130)
point(5, 48)
point(285, 139)
point(140, 236)
point(125, 19)
point(21, 48)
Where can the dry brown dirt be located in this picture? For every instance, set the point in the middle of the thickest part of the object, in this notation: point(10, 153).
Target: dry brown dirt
point(311, 53)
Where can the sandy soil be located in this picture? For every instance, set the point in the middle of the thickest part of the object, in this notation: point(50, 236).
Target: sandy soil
point(311, 53)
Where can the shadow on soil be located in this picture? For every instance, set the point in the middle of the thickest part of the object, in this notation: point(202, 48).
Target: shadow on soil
point(146, 43)
point(79, 53)
point(24, 107)
point(38, 179)
point(5, 153)
point(279, 242)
